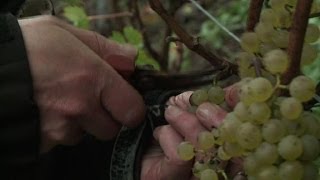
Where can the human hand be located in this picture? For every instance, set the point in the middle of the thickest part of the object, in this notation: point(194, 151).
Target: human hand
point(76, 84)
point(161, 160)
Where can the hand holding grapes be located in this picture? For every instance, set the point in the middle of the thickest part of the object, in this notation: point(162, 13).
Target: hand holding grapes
point(162, 160)
point(76, 84)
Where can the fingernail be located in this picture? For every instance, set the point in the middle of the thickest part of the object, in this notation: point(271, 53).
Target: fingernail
point(173, 111)
point(205, 113)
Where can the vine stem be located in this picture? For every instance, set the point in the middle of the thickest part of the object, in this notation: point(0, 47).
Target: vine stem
point(215, 20)
point(110, 16)
point(254, 13)
point(191, 42)
point(296, 39)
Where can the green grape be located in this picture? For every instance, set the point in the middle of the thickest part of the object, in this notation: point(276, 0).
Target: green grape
point(259, 112)
point(267, 47)
point(249, 136)
point(292, 2)
point(291, 108)
point(284, 19)
point(309, 54)
point(297, 127)
point(228, 129)
point(244, 59)
point(291, 170)
point(264, 32)
point(290, 147)
point(247, 72)
point(198, 167)
point(277, 5)
point(276, 61)
point(205, 140)
point(216, 95)
point(312, 33)
point(222, 154)
point(209, 174)
point(268, 16)
point(251, 165)
point(311, 148)
point(233, 149)
point(261, 89)
point(186, 151)
point(249, 42)
point(303, 88)
point(241, 111)
point(198, 97)
point(312, 124)
point(310, 171)
point(281, 38)
point(273, 130)
point(268, 173)
point(266, 153)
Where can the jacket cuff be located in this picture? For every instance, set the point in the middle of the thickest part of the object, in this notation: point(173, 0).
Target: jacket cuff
point(12, 6)
point(19, 117)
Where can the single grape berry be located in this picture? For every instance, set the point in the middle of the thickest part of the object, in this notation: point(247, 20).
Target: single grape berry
point(198, 97)
point(186, 151)
point(303, 88)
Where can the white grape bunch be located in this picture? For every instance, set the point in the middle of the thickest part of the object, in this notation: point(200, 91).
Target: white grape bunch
point(269, 129)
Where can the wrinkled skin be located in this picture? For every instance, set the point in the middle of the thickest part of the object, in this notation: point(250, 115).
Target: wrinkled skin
point(161, 162)
point(77, 83)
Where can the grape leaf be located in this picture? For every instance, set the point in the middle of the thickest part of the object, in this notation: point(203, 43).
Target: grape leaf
point(144, 59)
point(133, 36)
point(118, 37)
point(77, 16)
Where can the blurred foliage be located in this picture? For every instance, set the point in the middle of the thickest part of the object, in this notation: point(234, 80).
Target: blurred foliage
point(134, 37)
point(77, 15)
point(231, 13)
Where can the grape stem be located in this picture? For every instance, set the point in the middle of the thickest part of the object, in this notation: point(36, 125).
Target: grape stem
point(254, 14)
point(296, 39)
point(278, 84)
point(257, 66)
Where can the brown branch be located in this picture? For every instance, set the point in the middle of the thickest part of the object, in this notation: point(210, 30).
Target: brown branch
point(254, 14)
point(110, 16)
point(165, 49)
point(296, 39)
point(155, 55)
point(191, 42)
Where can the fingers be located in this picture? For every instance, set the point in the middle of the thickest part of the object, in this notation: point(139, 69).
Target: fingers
point(184, 122)
point(210, 115)
point(181, 100)
point(172, 167)
point(120, 57)
point(100, 124)
point(120, 99)
point(231, 95)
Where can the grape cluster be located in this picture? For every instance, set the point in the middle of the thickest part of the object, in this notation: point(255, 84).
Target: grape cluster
point(273, 134)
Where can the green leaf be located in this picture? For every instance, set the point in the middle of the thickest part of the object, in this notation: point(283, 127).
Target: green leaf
point(118, 37)
point(144, 59)
point(77, 16)
point(133, 36)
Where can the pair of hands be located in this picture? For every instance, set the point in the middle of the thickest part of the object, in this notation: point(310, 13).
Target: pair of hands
point(79, 86)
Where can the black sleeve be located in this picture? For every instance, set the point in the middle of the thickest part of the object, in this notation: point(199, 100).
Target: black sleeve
point(19, 121)
point(12, 6)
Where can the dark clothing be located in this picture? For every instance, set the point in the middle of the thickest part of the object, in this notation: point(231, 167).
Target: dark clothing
point(19, 120)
